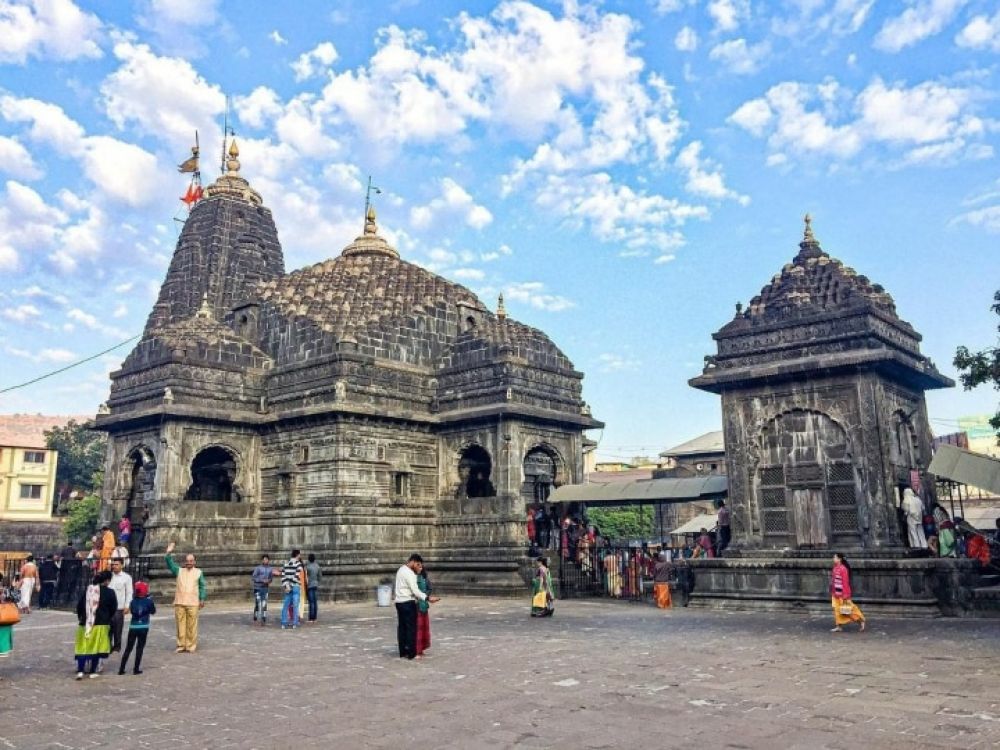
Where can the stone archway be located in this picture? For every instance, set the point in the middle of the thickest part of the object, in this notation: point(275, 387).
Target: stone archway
point(139, 473)
point(475, 468)
point(213, 476)
point(541, 474)
point(806, 483)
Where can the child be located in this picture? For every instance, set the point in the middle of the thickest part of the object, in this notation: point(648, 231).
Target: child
point(142, 607)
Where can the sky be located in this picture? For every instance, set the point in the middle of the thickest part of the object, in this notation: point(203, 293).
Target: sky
point(624, 172)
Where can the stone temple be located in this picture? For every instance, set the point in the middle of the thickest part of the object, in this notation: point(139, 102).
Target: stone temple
point(825, 423)
point(361, 408)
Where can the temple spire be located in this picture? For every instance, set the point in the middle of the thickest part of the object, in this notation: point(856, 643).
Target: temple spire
point(809, 247)
point(501, 310)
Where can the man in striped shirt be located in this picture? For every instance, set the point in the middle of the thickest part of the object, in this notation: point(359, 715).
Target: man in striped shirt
point(290, 584)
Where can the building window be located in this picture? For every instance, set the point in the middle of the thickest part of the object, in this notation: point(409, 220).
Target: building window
point(32, 491)
point(34, 457)
point(400, 486)
point(474, 468)
point(305, 455)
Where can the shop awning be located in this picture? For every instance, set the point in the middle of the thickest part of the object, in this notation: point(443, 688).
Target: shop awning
point(643, 491)
point(973, 469)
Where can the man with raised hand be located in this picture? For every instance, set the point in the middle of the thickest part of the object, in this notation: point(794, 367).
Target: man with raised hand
point(189, 598)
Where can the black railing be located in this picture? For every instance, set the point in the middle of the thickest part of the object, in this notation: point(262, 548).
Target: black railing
point(615, 572)
point(74, 577)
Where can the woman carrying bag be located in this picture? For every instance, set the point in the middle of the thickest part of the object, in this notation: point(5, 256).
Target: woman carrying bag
point(542, 597)
point(10, 615)
point(844, 610)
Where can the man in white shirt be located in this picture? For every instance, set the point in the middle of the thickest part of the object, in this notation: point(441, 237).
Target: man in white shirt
point(121, 584)
point(407, 594)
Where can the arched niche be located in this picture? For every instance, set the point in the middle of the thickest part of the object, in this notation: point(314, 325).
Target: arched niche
point(541, 468)
point(475, 469)
point(213, 476)
point(806, 484)
point(138, 475)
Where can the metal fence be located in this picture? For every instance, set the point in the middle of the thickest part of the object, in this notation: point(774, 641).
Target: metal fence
point(74, 577)
point(624, 573)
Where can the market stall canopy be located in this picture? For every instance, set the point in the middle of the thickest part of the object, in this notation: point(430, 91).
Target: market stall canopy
point(643, 491)
point(973, 469)
point(705, 521)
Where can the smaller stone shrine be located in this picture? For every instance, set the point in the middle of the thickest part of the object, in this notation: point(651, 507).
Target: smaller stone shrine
point(825, 423)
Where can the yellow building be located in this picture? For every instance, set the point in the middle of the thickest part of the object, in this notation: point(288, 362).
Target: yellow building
point(27, 468)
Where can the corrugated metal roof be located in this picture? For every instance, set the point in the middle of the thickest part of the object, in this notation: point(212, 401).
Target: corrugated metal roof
point(973, 469)
point(710, 442)
point(672, 490)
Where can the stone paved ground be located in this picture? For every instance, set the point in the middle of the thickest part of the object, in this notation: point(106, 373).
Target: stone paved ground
point(597, 675)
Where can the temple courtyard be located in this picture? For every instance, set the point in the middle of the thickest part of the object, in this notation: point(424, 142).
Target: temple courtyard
point(599, 674)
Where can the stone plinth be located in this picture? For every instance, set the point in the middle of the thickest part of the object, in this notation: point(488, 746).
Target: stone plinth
point(910, 587)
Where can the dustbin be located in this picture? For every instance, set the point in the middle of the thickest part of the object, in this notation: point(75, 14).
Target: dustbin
point(384, 594)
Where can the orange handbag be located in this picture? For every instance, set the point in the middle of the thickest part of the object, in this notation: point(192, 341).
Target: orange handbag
point(9, 613)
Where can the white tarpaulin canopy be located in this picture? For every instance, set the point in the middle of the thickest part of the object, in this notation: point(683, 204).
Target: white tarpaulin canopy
point(696, 524)
point(973, 469)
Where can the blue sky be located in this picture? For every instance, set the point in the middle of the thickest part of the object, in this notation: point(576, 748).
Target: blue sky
point(624, 172)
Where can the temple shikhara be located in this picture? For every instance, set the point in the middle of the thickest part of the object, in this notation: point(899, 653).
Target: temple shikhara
point(361, 408)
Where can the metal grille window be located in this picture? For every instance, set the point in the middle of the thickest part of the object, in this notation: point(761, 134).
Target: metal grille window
point(773, 501)
point(31, 491)
point(842, 500)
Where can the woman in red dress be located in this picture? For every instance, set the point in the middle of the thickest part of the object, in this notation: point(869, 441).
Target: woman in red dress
point(423, 614)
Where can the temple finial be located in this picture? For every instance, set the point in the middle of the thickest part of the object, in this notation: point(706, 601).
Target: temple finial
point(370, 226)
point(204, 311)
point(501, 310)
point(807, 236)
point(233, 162)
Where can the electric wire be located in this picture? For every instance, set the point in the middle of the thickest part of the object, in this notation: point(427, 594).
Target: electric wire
point(68, 367)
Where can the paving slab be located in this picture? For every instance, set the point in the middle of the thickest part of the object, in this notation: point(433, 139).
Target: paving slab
point(599, 674)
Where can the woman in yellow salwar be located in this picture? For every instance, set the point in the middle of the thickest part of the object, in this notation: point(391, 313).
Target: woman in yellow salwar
point(844, 610)
point(542, 595)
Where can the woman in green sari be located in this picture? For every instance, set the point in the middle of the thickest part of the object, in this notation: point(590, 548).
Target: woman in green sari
point(542, 597)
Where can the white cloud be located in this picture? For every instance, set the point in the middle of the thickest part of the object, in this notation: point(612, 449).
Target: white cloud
point(704, 177)
point(21, 313)
point(468, 274)
point(50, 355)
point(36, 292)
point(615, 213)
point(16, 160)
point(120, 170)
point(47, 29)
point(276, 37)
point(934, 122)
point(181, 12)
point(26, 223)
point(753, 116)
point(87, 320)
point(315, 61)
point(987, 217)
point(259, 108)
point(533, 293)
point(609, 362)
point(121, 310)
point(165, 96)
point(739, 57)
point(923, 19)
point(728, 14)
point(125, 287)
point(686, 39)
point(982, 32)
point(453, 201)
point(663, 7)
point(820, 19)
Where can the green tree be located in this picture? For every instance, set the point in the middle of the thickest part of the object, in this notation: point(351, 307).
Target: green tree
point(622, 523)
point(83, 519)
point(981, 367)
point(81, 456)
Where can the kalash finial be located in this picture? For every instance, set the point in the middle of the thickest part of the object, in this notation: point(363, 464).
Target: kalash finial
point(370, 227)
point(501, 310)
point(233, 162)
point(809, 247)
point(807, 236)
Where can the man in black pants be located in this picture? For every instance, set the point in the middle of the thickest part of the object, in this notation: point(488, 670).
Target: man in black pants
point(407, 595)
